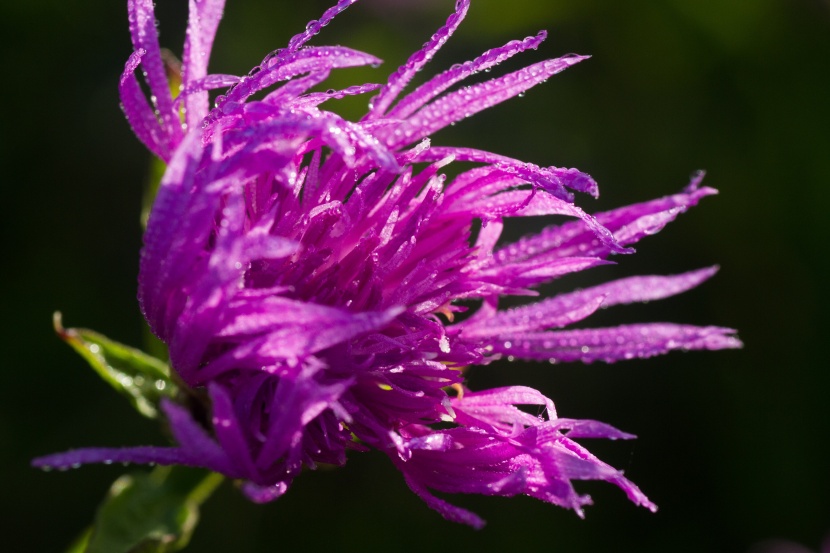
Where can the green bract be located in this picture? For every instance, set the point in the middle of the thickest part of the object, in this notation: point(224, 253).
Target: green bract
point(142, 378)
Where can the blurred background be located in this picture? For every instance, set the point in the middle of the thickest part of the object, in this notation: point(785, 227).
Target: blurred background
point(732, 445)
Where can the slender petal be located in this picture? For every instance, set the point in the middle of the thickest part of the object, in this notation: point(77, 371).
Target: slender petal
point(400, 78)
point(139, 114)
point(145, 37)
point(202, 23)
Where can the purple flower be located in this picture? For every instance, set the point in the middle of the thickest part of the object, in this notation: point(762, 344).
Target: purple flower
point(306, 271)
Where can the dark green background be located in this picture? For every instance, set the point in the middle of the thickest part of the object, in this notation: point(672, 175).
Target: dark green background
point(733, 445)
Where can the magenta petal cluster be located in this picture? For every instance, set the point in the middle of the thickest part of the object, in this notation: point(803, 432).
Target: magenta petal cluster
point(306, 272)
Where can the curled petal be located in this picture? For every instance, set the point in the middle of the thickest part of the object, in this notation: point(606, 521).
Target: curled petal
point(139, 114)
point(145, 37)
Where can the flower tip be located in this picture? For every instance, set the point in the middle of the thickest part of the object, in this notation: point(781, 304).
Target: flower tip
point(559, 64)
point(695, 180)
point(649, 505)
point(52, 462)
point(132, 63)
point(263, 494)
point(39, 463)
point(718, 338)
point(373, 61)
point(733, 342)
point(699, 276)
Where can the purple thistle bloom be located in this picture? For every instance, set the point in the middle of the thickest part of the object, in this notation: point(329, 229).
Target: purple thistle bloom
point(305, 271)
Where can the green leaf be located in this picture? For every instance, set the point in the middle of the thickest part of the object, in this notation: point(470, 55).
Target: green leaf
point(143, 379)
point(152, 512)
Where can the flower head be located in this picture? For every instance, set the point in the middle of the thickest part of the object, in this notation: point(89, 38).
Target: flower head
point(306, 272)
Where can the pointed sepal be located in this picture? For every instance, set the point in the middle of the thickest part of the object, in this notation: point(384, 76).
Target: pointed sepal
point(142, 378)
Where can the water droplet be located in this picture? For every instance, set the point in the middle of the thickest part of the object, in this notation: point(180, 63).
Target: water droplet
point(444, 344)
